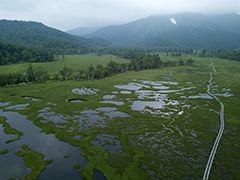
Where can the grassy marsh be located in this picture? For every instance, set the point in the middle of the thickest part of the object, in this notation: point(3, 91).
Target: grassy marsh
point(153, 146)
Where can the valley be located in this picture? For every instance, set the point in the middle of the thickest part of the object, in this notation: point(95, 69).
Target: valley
point(154, 98)
point(149, 124)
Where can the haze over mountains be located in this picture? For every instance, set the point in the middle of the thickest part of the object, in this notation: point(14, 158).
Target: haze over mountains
point(185, 30)
point(82, 31)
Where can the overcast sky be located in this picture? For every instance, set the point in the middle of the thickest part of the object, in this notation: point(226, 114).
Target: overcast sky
point(69, 14)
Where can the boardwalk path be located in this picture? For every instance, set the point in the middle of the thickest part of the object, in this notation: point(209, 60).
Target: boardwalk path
point(220, 132)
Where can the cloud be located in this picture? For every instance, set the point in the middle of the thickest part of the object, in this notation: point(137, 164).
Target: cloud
point(68, 14)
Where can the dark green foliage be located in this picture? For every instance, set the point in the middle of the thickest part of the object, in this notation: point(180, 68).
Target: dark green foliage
point(190, 61)
point(231, 54)
point(139, 61)
point(180, 62)
point(65, 73)
point(11, 54)
point(37, 35)
point(29, 76)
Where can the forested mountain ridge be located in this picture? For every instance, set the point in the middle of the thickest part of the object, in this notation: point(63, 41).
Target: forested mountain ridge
point(185, 30)
point(37, 35)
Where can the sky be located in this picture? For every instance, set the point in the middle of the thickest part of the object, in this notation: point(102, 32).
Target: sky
point(70, 14)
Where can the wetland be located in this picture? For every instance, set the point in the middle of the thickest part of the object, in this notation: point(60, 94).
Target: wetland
point(149, 124)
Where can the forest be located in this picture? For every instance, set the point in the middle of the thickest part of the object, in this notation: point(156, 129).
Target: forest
point(12, 54)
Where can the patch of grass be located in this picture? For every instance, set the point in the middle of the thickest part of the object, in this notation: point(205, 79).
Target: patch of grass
point(33, 160)
point(77, 166)
point(4, 151)
point(67, 155)
point(12, 140)
point(8, 129)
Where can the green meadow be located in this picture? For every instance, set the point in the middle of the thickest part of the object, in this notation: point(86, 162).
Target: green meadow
point(74, 62)
point(154, 143)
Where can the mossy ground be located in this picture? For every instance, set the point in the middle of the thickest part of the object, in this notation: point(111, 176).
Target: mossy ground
point(153, 147)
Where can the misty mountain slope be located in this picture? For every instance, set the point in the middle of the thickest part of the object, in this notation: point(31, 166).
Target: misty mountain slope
point(37, 35)
point(131, 32)
point(81, 31)
point(186, 30)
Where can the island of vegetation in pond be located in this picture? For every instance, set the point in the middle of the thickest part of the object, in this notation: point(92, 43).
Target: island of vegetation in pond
point(33, 160)
point(4, 151)
point(8, 129)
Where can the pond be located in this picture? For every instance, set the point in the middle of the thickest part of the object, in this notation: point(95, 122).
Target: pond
point(14, 167)
point(85, 91)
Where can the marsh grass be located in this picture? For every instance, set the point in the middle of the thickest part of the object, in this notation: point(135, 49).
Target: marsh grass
point(153, 147)
point(4, 151)
point(33, 160)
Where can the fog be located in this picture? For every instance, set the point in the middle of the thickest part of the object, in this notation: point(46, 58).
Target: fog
point(69, 14)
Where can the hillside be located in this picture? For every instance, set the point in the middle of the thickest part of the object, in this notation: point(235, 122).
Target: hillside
point(12, 54)
point(37, 35)
point(185, 30)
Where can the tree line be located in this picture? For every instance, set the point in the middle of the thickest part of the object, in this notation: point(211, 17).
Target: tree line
point(12, 54)
point(139, 61)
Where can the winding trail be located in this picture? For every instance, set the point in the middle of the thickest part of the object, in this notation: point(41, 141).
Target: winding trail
point(220, 132)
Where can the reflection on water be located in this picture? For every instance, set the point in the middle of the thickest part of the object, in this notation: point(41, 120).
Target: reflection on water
point(226, 94)
point(18, 107)
point(165, 77)
point(141, 105)
point(11, 166)
point(85, 91)
point(5, 103)
point(52, 116)
point(98, 175)
point(125, 92)
point(32, 98)
point(131, 86)
point(201, 95)
point(109, 96)
point(113, 102)
point(108, 142)
point(96, 118)
point(49, 145)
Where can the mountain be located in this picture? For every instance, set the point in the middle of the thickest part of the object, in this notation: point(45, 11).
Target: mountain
point(184, 30)
point(37, 35)
point(81, 31)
